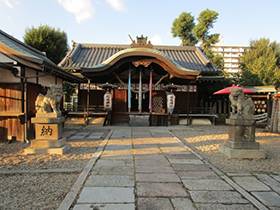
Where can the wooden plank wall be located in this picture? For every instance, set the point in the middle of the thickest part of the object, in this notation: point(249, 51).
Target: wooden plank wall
point(182, 100)
point(95, 97)
point(11, 103)
point(11, 126)
point(10, 97)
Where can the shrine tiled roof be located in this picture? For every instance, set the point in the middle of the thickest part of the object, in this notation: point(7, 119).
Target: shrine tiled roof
point(31, 57)
point(83, 56)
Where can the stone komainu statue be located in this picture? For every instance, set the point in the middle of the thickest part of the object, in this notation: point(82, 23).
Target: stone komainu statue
point(50, 103)
point(240, 106)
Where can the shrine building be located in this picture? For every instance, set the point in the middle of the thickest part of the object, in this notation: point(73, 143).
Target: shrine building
point(145, 75)
point(24, 73)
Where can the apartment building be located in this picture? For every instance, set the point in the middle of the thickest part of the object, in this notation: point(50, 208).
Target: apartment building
point(231, 56)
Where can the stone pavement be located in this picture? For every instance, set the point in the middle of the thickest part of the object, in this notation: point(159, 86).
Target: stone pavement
point(147, 168)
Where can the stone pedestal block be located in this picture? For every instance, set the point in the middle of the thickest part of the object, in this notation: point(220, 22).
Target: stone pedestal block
point(242, 153)
point(41, 143)
point(241, 130)
point(241, 142)
point(48, 135)
point(139, 119)
point(59, 151)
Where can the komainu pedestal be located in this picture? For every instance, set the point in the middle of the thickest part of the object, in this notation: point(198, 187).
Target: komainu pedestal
point(48, 124)
point(241, 142)
point(48, 135)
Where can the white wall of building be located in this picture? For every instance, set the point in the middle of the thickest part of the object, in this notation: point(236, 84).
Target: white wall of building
point(231, 56)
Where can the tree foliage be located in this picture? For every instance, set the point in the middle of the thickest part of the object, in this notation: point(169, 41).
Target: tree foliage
point(190, 33)
point(49, 40)
point(183, 27)
point(69, 89)
point(260, 64)
point(206, 21)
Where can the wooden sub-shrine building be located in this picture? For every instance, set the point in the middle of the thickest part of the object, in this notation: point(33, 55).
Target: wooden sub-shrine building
point(145, 75)
point(24, 73)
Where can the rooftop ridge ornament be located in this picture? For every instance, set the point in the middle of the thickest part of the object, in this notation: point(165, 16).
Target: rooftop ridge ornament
point(141, 42)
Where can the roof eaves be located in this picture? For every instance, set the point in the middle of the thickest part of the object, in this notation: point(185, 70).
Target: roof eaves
point(131, 50)
point(202, 57)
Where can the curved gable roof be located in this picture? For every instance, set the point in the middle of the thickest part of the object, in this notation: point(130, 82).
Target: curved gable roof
point(89, 55)
point(142, 52)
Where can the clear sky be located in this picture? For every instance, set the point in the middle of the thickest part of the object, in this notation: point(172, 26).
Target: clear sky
point(110, 21)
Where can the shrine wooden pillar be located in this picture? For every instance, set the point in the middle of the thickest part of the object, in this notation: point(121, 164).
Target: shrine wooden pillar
point(129, 91)
point(140, 91)
point(151, 90)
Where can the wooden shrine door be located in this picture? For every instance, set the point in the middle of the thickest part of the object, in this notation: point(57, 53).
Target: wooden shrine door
point(119, 100)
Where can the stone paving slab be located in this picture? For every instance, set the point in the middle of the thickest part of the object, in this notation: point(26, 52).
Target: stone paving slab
point(120, 142)
point(147, 140)
point(148, 151)
point(77, 137)
point(117, 157)
point(168, 140)
point(117, 154)
point(223, 197)
point(154, 203)
point(104, 207)
point(114, 163)
point(207, 185)
point(152, 162)
point(117, 147)
point(161, 135)
point(238, 174)
point(161, 189)
point(154, 169)
point(114, 170)
point(110, 181)
point(191, 167)
point(95, 135)
point(182, 203)
point(268, 198)
point(68, 133)
point(277, 177)
point(106, 195)
point(250, 183)
point(185, 161)
point(171, 145)
point(148, 156)
point(185, 155)
point(145, 146)
point(82, 133)
point(174, 150)
point(191, 175)
point(272, 183)
point(225, 207)
point(157, 177)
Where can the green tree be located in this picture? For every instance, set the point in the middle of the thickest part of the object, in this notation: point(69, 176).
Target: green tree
point(206, 21)
point(260, 64)
point(183, 27)
point(49, 40)
point(217, 60)
point(69, 89)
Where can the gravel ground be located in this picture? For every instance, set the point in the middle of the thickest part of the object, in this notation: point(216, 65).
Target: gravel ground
point(42, 190)
point(205, 140)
